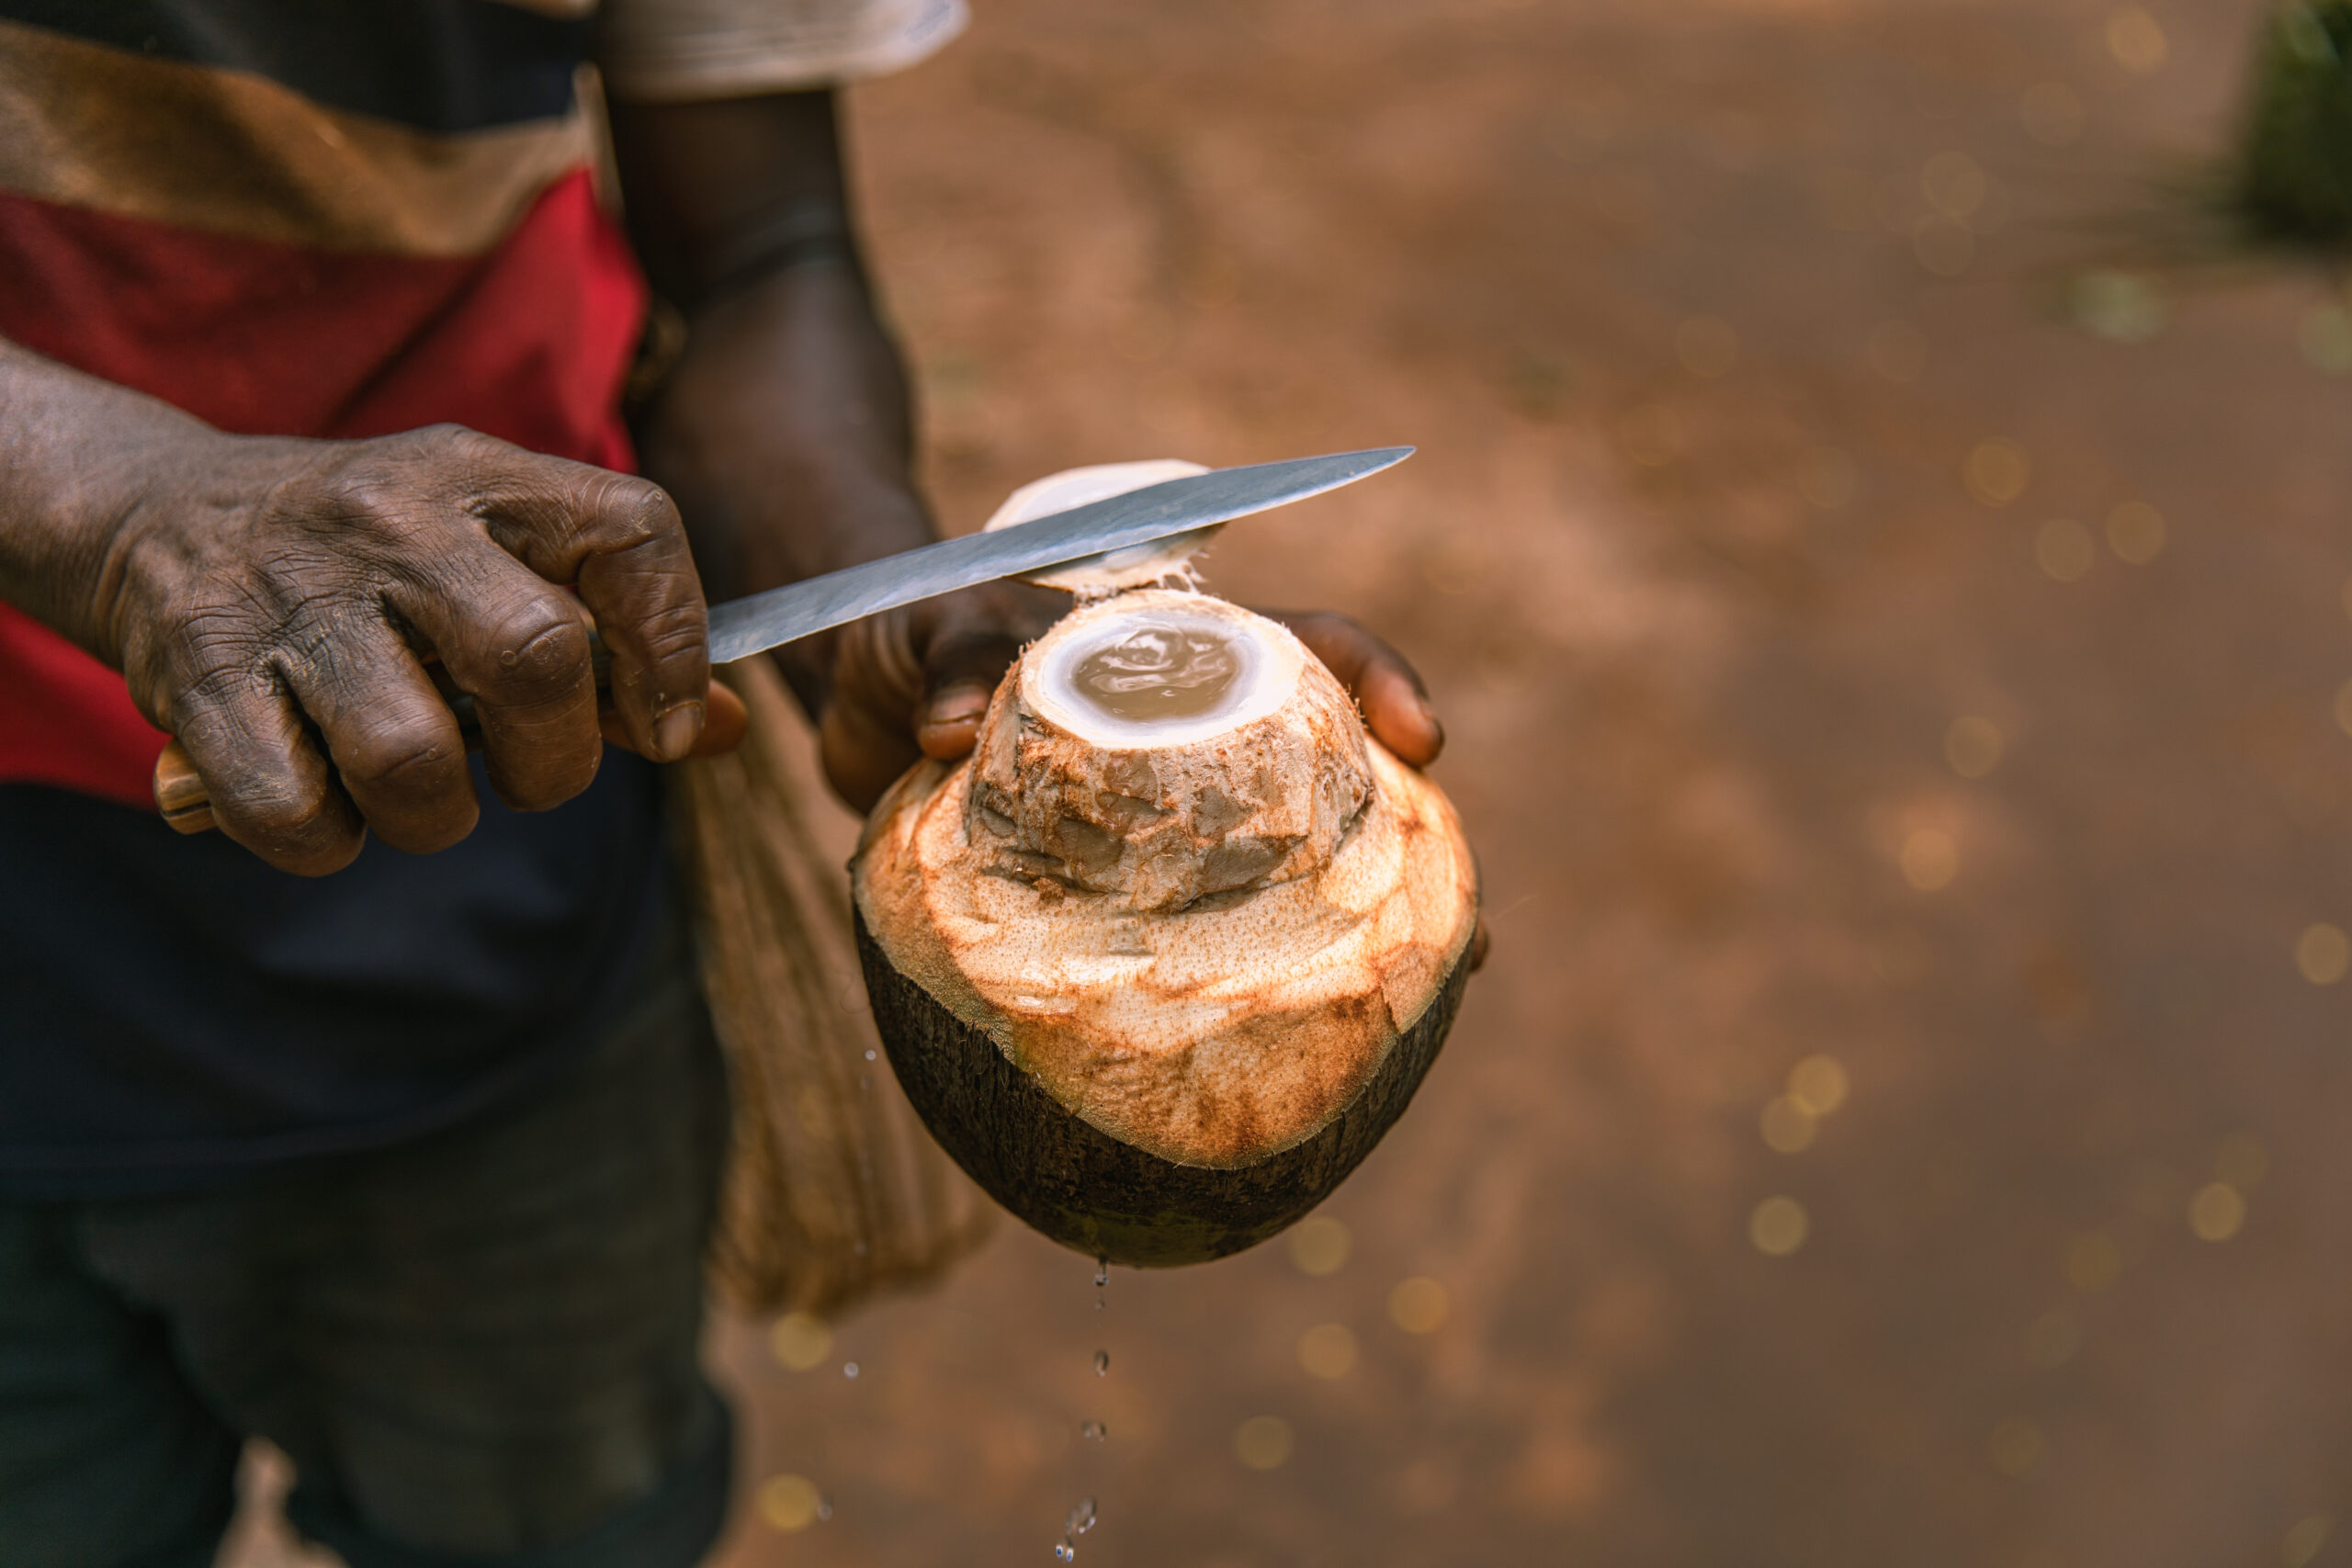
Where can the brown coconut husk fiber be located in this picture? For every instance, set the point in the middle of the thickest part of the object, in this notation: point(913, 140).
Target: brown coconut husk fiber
point(833, 1191)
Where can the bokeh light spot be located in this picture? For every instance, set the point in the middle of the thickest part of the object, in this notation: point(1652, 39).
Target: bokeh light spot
point(800, 1340)
point(2325, 339)
point(2017, 1449)
point(1263, 1442)
point(2052, 1339)
point(2304, 1538)
point(1973, 745)
point(2216, 1212)
point(2093, 1261)
point(790, 1503)
point(1953, 183)
point(1819, 1084)
point(1320, 1245)
point(1327, 1350)
point(1931, 860)
point(2053, 116)
point(2122, 307)
point(2064, 551)
point(1708, 348)
point(2323, 953)
point(1417, 1306)
point(1898, 351)
point(2135, 532)
point(2136, 40)
point(1788, 1127)
point(1997, 471)
point(1779, 1226)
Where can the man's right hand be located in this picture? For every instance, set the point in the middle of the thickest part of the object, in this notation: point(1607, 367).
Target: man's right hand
point(271, 601)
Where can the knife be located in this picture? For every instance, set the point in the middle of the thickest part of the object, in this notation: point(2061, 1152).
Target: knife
point(741, 628)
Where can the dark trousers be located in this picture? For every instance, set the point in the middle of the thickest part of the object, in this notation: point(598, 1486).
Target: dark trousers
point(477, 1348)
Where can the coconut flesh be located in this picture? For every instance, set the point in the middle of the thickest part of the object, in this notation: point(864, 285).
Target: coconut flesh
point(1161, 961)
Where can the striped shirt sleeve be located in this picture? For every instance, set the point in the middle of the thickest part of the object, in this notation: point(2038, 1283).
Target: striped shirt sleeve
point(674, 51)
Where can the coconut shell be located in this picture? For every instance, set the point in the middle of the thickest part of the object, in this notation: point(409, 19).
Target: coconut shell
point(1092, 1192)
point(1159, 987)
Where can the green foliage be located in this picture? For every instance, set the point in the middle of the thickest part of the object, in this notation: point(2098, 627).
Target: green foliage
point(2295, 173)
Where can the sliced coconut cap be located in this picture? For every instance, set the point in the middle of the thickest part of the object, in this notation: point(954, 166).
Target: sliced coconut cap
point(1162, 747)
point(1131, 567)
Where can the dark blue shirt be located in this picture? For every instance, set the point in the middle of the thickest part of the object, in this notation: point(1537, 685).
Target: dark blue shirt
point(173, 1011)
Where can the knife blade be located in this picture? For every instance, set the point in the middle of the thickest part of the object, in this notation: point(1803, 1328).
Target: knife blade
point(758, 622)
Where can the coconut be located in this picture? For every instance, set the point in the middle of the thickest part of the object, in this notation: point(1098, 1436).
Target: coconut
point(1164, 958)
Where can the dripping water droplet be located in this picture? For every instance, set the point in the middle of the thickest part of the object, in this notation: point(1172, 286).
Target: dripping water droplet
point(1094, 1429)
point(849, 1369)
point(869, 1056)
point(1101, 1363)
point(824, 1507)
point(1101, 1272)
point(1065, 1552)
point(1081, 1518)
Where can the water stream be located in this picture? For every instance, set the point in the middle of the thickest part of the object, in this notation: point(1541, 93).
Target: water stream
point(1082, 1517)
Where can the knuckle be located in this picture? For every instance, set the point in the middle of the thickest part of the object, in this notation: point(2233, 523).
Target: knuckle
point(629, 513)
point(397, 756)
point(676, 638)
point(454, 443)
point(297, 823)
point(539, 653)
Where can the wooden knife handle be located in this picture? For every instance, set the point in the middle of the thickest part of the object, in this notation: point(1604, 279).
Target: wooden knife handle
point(180, 793)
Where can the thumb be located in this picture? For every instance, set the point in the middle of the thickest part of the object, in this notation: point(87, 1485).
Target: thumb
point(948, 725)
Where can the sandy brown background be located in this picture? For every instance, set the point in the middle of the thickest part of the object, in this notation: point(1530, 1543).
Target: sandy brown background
point(1699, 610)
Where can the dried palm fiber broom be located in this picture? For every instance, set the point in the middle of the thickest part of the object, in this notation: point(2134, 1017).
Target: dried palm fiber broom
point(1162, 961)
point(832, 1190)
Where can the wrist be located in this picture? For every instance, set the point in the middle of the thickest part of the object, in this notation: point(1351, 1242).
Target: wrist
point(82, 464)
point(784, 433)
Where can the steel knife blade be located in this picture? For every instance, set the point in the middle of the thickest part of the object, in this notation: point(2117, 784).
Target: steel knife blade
point(741, 628)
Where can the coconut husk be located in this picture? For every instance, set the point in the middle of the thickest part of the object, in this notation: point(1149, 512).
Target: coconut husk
point(1106, 1197)
point(833, 1191)
point(1159, 998)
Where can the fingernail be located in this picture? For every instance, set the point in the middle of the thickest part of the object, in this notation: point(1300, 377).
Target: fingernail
point(674, 733)
point(957, 703)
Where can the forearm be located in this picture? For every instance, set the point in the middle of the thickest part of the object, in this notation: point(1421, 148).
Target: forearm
point(77, 456)
point(784, 432)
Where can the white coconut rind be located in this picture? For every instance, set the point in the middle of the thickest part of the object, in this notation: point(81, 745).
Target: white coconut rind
point(1107, 573)
point(1156, 817)
point(1214, 1036)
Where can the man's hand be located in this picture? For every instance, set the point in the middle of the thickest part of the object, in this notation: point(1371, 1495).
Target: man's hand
point(272, 603)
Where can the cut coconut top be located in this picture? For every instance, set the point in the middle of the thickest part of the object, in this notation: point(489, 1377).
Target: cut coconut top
point(1149, 670)
point(1132, 568)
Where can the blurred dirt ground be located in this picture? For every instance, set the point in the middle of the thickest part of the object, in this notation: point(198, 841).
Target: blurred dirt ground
point(1769, 424)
